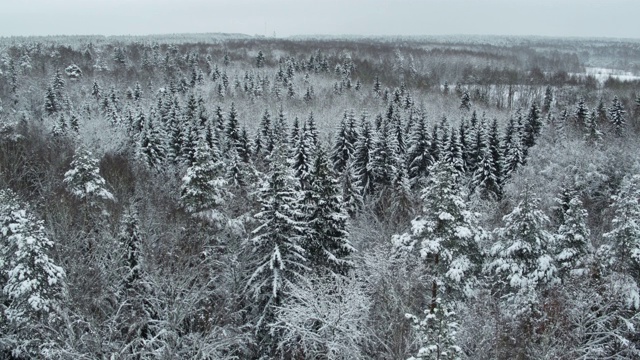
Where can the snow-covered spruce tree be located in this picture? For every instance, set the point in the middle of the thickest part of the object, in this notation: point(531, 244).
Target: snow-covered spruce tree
point(548, 99)
point(383, 156)
point(204, 186)
point(130, 242)
point(572, 238)
point(362, 159)
point(593, 134)
point(33, 286)
point(446, 235)
point(616, 116)
point(326, 241)
point(624, 236)
point(513, 156)
point(581, 113)
point(465, 101)
point(418, 155)
point(532, 127)
point(351, 191)
point(152, 149)
point(522, 257)
point(84, 181)
point(437, 334)
point(343, 148)
point(278, 258)
point(486, 177)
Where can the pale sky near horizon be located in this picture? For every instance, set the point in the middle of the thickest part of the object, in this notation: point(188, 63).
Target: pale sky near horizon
point(584, 18)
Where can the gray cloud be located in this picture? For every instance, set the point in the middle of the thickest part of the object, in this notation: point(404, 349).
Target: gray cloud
point(594, 18)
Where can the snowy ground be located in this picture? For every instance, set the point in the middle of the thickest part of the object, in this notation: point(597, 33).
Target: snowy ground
point(602, 74)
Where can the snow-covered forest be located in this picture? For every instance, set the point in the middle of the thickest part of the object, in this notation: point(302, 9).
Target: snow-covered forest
point(237, 197)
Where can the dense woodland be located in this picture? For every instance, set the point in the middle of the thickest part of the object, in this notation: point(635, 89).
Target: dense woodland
point(235, 197)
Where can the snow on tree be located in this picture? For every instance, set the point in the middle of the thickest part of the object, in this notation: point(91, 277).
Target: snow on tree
point(152, 148)
point(418, 155)
point(302, 157)
point(581, 112)
point(33, 286)
point(325, 318)
point(326, 240)
point(454, 152)
point(51, 105)
point(278, 258)
point(130, 241)
point(487, 178)
point(465, 101)
point(343, 147)
point(446, 235)
point(312, 130)
point(233, 128)
point(548, 99)
point(616, 114)
point(593, 135)
point(383, 157)
point(624, 236)
point(532, 126)
point(522, 255)
point(204, 186)
point(83, 180)
point(351, 192)
point(513, 156)
point(572, 238)
point(362, 158)
point(437, 334)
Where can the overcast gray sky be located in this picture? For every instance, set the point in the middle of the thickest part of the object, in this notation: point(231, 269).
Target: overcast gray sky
point(593, 18)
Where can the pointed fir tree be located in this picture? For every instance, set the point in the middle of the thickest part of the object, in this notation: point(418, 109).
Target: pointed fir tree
point(454, 153)
point(342, 148)
point(496, 153)
point(362, 159)
point(522, 257)
point(548, 99)
point(281, 129)
point(465, 101)
point(278, 258)
point(601, 110)
point(312, 130)
point(237, 171)
point(51, 105)
point(437, 334)
point(295, 132)
point(244, 146)
point(130, 242)
point(327, 240)
point(532, 127)
point(593, 134)
point(383, 157)
point(572, 238)
point(302, 158)
point(445, 235)
point(624, 236)
point(514, 156)
point(34, 288)
point(418, 154)
point(401, 196)
point(233, 128)
point(152, 150)
point(83, 180)
point(616, 116)
point(266, 134)
point(351, 191)
point(581, 113)
point(204, 187)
